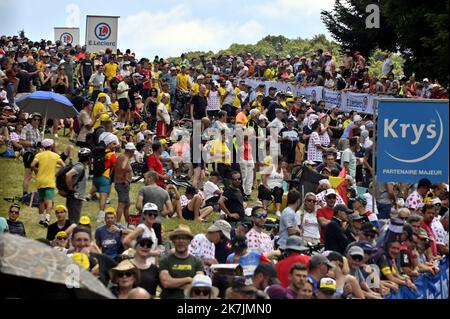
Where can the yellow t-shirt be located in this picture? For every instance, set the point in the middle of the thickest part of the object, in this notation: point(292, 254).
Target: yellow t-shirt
point(241, 118)
point(258, 106)
point(236, 102)
point(158, 100)
point(99, 108)
point(155, 80)
point(46, 175)
point(115, 106)
point(269, 75)
point(195, 88)
point(221, 93)
point(183, 81)
point(111, 70)
point(220, 152)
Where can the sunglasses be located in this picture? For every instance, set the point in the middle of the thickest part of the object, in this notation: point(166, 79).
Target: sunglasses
point(146, 244)
point(311, 200)
point(198, 292)
point(125, 274)
point(61, 238)
point(153, 214)
point(181, 238)
point(357, 258)
point(16, 212)
point(237, 179)
point(369, 235)
point(260, 215)
point(331, 197)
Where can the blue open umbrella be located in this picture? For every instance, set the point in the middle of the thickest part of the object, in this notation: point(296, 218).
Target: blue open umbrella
point(50, 105)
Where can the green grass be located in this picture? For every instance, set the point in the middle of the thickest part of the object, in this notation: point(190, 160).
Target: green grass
point(11, 178)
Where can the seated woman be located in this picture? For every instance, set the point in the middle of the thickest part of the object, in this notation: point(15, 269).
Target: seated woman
point(193, 210)
point(272, 179)
point(309, 223)
point(125, 276)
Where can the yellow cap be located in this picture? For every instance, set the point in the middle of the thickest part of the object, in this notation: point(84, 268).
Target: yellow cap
point(104, 117)
point(110, 210)
point(61, 234)
point(143, 124)
point(268, 160)
point(60, 207)
point(259, 94)
point(163, 141)
point(290, 100)
point(128, 128)
point(85, 220)
point(81, 259)
point(100, 95)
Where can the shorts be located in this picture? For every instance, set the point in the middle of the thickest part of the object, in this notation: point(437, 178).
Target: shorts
point(123, 192)
point(28, 158)
point(124, 105)
point(265, 194)
point(46, 193)
point(102, 184)
point(187, 213)
point(161, 129)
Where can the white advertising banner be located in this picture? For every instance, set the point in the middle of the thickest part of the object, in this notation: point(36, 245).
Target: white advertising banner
point(101, 33)
point(67, 35)
point(360, 102)
point(312, 92)
point(333, 98)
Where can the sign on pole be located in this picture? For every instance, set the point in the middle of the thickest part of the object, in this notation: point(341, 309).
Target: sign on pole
point(412, 140)
point(67, 35)
point(101, 33)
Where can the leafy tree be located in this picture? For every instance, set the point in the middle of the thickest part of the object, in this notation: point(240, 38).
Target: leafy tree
point(376, 60)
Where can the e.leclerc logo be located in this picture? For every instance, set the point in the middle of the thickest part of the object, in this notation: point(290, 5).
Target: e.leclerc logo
point(66, 38)
point(415, 135)
point(102, 31)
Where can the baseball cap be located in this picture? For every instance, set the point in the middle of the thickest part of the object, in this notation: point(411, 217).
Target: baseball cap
point(148, 207)
point(355, 251)
point(316, 260)
point(100, 95)
point(61, 234)
point(425, 80)
point(47, 142)
point(110, 210)
point(222, 226)
point(104, 117)
point(327, 284)
point(143, 124)
point(333, 256)
point(369, 228)
point(330, 191)
point(366, 246)
point(60, 208)
point(342, 208)
point(85, 220)
point(130, 147)
point(357, 118)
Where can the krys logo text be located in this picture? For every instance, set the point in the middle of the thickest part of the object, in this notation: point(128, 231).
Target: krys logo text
point(417, 135)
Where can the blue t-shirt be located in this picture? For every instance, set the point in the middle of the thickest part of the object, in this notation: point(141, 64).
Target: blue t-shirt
point(110, 242)
point(248, 262)
point(347, 129)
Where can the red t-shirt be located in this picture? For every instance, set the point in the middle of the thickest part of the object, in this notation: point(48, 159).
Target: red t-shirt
point(154, 163)
point(432, 238)
point(284, 266)
point(147, 84)
point(328, 214)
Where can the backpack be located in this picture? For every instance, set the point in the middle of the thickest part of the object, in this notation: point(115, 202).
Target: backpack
point(61, 184)
point(31, 199)
point(76, 125)
point(92, 138)
point(98, 159)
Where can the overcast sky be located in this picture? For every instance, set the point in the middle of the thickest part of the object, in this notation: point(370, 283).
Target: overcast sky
point(170, 27)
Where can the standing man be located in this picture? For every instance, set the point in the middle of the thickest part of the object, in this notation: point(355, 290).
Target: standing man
point(122, 180)
point(289, 220)
point(97, 80)
point(124, 100)
point(294, 253)
point(76, 181)
point(178, 268)
point(30, 139)
point(325, 214)
point(198, 104)
point(48, 161)
point(232, 202)
point(152, 193)
point(348, 158)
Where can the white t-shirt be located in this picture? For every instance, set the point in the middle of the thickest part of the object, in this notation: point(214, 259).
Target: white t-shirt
point(140, 137)
point(122, 86)
point(202, 248)
point(209, 188)
point(310, 225)
point(165, 113)
point(149, 233)
point(349, 156)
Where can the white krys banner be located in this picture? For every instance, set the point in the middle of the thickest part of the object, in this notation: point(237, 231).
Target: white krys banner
point(67, 35)
point(101, 33)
